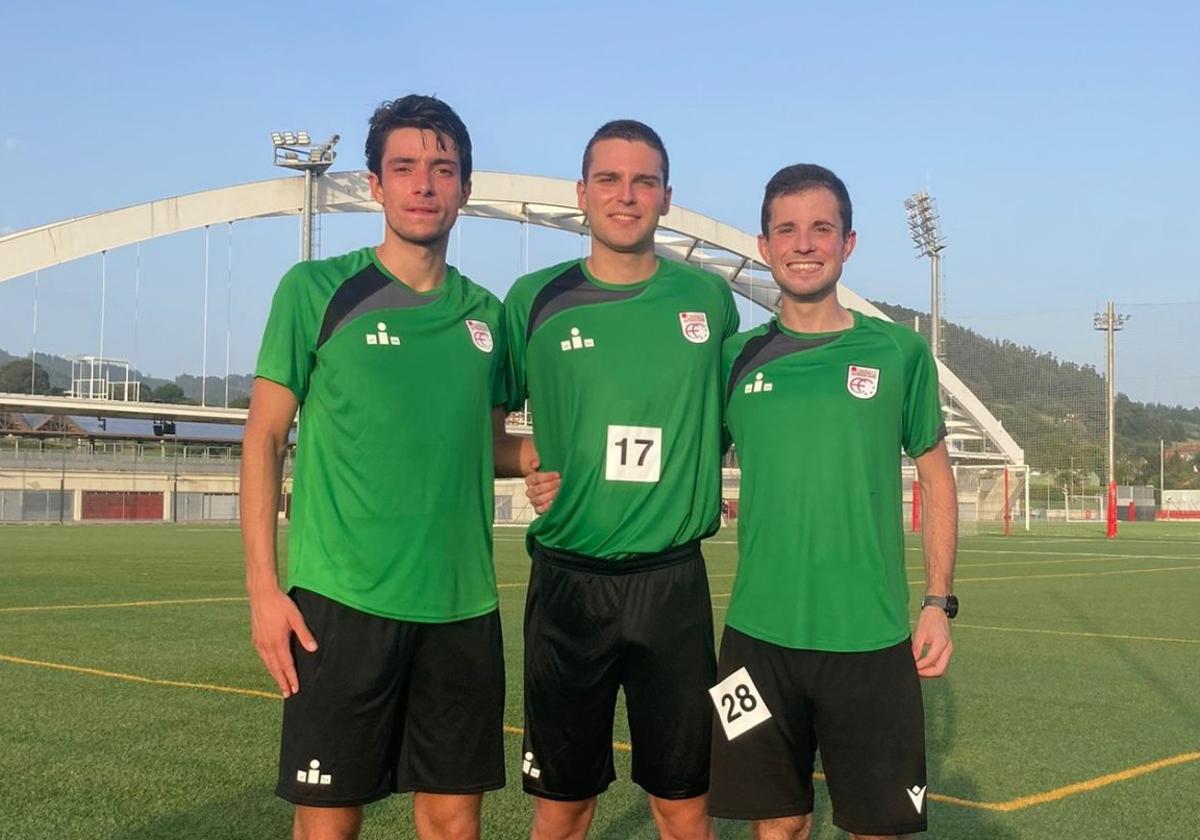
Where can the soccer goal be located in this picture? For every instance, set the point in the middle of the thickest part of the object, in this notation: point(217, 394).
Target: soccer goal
point(1082, 508)
point(992, 499)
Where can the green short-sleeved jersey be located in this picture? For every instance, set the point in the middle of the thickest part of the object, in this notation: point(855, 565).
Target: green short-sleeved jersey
point(392, 507)
point(624, 385)
point(819, 422)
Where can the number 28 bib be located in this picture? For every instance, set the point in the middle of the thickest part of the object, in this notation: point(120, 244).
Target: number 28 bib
point(739, 705)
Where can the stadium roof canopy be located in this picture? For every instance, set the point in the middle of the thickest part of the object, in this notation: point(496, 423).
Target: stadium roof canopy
point(975, 435)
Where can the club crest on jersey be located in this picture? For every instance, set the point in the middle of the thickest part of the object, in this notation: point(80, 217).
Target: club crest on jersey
point(862, 382)
point(694, 326)
point(481, 335)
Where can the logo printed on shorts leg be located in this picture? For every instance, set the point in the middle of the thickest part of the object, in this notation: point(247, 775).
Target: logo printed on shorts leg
point(313, 775)
point(917, 794)
point(528, 768)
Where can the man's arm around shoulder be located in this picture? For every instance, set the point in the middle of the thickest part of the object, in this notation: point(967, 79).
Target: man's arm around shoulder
point(516, 457)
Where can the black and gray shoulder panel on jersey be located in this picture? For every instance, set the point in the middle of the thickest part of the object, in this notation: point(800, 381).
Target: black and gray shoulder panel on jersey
point(568, 290)
point(771, 345)
point(367, 291)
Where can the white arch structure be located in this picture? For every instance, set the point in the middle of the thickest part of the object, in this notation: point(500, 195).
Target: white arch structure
point(975, 435)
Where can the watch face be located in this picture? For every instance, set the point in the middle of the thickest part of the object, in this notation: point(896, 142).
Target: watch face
point(951, 606)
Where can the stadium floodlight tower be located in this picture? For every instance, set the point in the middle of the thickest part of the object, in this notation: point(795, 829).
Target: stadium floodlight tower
point(1110, 322)
point(929, 242)
point(295, 150)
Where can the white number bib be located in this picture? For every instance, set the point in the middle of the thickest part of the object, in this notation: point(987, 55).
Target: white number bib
point(739, 705)
point(634, 453)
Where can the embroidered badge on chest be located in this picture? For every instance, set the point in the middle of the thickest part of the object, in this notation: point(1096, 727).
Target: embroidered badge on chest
point(862, 382)
point(481, 335)
point(694, 326)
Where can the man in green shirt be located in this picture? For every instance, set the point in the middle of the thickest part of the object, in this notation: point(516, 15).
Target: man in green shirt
point(817, 649)
point(387, 644)
point(619, 355)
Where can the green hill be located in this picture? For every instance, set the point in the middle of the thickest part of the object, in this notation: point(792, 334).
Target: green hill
point(1055, 409)
point(59, 370)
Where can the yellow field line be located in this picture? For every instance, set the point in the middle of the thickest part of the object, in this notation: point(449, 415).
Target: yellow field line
point(157, 603)
point(1022, 802)
point(1091, 558)
point(1017, 804)
point(1039, 577)
point(234, 599)
point(1034, 540)
point(96, 672)
point(1082, 554)
point(1038, 630)
point(1078, 633)
point(1070, 575)
point(165, 602)
point(619, 746)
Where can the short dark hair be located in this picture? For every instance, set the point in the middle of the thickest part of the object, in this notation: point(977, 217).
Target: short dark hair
point(634, 132)
point(800, 177)
point(424, 112)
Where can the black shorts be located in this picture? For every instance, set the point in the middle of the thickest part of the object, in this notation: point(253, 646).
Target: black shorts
point(646, 626)
point(390, 706)
point(863, 709)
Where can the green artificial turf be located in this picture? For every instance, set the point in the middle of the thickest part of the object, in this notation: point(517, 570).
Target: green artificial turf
point(1075, 658)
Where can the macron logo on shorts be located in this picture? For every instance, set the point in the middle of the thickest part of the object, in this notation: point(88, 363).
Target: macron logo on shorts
point(313, 775)
point(917, 795)
point(528, 768)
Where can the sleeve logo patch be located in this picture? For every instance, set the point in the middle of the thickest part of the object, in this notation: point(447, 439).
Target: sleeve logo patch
point(694, 326)
point(481, 335)
point(862, 382)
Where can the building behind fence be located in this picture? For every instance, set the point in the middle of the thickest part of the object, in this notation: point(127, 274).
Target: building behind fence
point(1054, 409)
point(69, 481)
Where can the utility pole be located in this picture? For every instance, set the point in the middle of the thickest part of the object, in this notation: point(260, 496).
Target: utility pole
point(1110, 323)
point(1162, 474)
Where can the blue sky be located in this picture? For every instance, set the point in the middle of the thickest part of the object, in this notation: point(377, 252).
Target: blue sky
point(1062, 142)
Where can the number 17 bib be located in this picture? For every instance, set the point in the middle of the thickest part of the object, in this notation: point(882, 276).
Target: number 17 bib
point(633, 453)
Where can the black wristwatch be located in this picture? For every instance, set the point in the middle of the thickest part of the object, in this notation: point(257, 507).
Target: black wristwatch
point(946, 603)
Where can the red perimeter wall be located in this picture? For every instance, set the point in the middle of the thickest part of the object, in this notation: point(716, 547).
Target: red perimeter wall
point(121, 504)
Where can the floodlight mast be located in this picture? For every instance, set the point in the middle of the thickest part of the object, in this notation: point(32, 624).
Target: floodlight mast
point(1110, 322)
point(295, 150)
point(929, 242)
